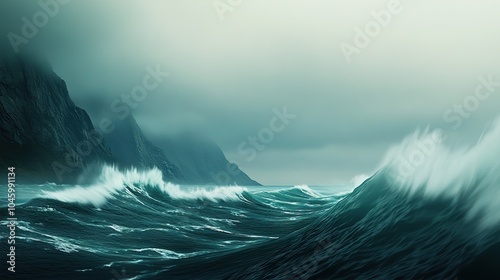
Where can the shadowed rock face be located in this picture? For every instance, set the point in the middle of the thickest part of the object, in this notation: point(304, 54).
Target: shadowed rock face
point(188, 158)
point(202, 161)
point(131, 149)
point(41, 128)
point(47, 138)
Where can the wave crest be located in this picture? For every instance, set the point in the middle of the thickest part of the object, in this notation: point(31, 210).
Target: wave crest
point(112, 181)
point(422, 163)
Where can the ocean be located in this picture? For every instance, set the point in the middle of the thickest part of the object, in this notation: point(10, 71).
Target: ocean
point(442, 221)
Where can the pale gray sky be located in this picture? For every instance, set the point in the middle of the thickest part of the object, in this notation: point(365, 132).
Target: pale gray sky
point(227, 76)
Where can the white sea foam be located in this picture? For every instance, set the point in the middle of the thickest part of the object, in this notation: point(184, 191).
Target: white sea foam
point(307, 190)
point(423, 163)
point(213, 194)
point(113, 181)
point(357, 180)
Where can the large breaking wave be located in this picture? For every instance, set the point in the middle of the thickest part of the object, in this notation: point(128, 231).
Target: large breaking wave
point(423, 164)
point(430, 212)
point(112, 182)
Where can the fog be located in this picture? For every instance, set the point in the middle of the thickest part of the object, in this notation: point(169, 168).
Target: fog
point(230, 71)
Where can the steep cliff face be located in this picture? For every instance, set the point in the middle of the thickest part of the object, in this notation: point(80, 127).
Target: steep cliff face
point(47, 138)
point(131, 149)
point(43, 134)
point(202, 161)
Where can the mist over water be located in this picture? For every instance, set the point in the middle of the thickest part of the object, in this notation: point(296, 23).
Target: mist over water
point(425, 164)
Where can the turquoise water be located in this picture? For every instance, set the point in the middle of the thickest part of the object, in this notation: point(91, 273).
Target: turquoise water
point(133, 225)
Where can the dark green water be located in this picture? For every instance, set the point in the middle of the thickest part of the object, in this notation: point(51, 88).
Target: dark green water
point(134, 226)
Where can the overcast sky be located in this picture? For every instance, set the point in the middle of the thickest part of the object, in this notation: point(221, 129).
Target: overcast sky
point(227, 76)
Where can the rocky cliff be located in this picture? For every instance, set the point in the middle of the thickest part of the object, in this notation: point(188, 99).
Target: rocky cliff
point(46, 137)
point(43, 134)
point(202, 161)
point(130, 148)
